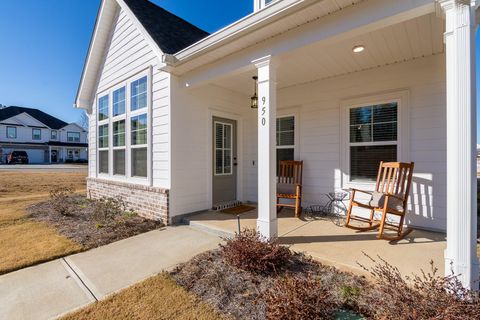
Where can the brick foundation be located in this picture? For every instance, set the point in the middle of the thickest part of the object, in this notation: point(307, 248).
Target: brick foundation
point(149, 202)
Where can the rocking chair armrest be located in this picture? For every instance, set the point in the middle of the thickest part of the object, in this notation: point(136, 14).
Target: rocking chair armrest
point(362, 191)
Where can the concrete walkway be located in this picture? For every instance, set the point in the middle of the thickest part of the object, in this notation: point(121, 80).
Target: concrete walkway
point(52, 289)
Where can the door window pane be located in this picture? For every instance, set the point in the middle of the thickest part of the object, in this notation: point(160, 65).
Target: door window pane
point(119, 162)
point(139, 129)
point(138, 94)
point(139, 162)
point(223, 148)
point(119, 101)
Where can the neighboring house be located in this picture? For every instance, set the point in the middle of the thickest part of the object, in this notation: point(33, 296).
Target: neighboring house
point(46, 139)
point(342, 85)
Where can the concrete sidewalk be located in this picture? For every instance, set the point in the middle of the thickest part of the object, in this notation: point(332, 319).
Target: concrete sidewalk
point(52, 289)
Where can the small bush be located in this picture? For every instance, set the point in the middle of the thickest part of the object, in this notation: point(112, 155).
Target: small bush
point(62, 201)
point(295, 298)
point(107, 209)
point(427, 296)
point(252, 252)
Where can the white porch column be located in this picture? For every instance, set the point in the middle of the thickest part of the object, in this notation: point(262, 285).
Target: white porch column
point(267, 157)
point(461, 255)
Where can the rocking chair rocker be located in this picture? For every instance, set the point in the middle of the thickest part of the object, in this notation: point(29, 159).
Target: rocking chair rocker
point(390, 197)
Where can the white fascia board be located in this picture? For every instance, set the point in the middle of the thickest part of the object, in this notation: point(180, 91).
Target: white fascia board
point(80, 101)
point(242, 27)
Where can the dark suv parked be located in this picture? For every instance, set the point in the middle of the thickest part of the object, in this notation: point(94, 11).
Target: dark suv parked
point(17, 157)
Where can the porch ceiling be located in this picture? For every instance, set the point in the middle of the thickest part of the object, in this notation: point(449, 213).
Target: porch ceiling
point(412, 39)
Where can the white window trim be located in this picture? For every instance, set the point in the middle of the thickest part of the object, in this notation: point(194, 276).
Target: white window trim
point(223, 149)
point(56, 135)
point(127, 116)
point(402, 98)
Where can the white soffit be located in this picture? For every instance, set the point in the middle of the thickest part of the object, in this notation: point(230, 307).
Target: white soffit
point(256, 28)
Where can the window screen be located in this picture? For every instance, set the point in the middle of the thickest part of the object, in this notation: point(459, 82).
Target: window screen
point(103, 161)
point(119, 162)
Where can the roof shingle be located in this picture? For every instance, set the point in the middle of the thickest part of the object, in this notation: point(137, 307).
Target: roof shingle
point(46, 119)
point(171, 33)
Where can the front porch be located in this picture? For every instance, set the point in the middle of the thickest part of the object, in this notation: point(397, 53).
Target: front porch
point(332, 244)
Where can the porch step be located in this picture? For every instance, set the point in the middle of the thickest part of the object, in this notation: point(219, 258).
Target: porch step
point(226, 205)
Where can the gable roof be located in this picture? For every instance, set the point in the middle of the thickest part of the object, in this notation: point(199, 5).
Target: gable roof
point(171, 33)
point(46, 119)
point(164, 31)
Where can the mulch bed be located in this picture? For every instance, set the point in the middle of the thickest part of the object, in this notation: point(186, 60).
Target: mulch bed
point(81, 227)
point(240, 294)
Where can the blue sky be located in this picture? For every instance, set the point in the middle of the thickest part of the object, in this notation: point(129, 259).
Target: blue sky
point(43, 44)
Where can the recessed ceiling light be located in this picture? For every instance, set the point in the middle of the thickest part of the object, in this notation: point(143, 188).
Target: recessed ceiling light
point(358, 49)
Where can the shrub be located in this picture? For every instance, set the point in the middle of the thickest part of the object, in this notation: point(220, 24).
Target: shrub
point(251, 252)
point(427, 296)
point(295, 298)
point(62, 201)
point(106, 209)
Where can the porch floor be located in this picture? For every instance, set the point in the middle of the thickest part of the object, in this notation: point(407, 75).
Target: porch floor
point(338, 246)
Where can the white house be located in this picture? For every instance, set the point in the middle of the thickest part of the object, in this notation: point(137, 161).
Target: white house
point(342, 85)
point(46, 139)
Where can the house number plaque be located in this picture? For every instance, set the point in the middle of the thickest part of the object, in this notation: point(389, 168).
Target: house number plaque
point(264, 110)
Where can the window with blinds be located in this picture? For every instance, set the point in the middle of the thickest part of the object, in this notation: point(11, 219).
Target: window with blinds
point(285, 139)
point(373, 132)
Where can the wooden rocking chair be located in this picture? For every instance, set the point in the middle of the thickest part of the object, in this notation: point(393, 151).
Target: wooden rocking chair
point(289, 185)
point(390, 197)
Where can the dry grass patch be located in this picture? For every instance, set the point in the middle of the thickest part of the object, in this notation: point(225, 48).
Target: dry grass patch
point(155, 298)
point(24, 242)
point(27, 243)
point(20, 184)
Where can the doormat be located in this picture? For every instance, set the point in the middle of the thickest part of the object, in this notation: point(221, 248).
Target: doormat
point(238, 209)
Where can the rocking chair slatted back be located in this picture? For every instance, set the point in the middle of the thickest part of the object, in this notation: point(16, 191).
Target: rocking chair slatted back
point(395, 178)
point(290, 172)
